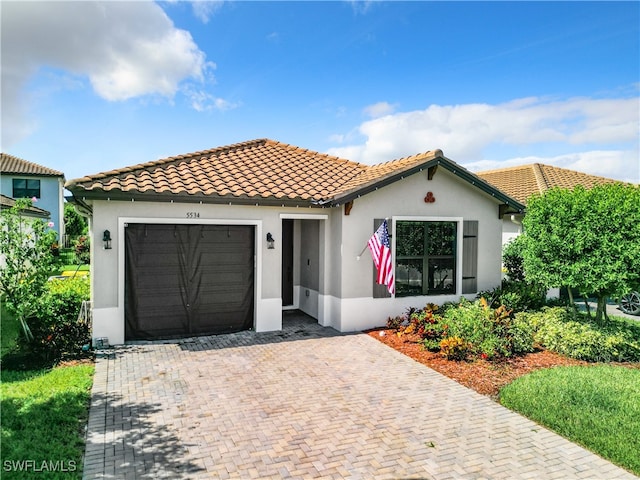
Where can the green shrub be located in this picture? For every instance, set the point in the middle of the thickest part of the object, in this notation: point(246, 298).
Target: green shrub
point(454, 348)
point(55, 326)
point(490, 332)
point(563, 331)
point(460, 330)
point(512, 259)
point(519, 296)
point(82, 250)
point(394, 323)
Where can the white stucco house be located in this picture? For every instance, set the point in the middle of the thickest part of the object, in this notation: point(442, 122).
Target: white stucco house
point(225, 239)
point(23, 179)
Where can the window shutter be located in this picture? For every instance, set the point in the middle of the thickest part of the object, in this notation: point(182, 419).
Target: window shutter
point(470, 256)
point(379, 291)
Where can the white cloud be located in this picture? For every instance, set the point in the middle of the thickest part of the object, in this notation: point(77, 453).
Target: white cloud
point(125, 49)
point(361, 6)
point(379, 109)
point(604, 130)
point(204, 9)
point(202, 101)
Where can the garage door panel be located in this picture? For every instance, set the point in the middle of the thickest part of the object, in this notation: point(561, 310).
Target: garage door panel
point(183, 280)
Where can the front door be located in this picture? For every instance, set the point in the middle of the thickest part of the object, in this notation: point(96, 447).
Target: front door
point(287, 262)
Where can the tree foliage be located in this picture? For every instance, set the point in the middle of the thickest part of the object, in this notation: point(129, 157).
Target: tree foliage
point(74, 223)
point(585, 239)
point(26, 261)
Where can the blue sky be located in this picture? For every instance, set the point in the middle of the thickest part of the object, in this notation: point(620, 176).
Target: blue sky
point(93, 86)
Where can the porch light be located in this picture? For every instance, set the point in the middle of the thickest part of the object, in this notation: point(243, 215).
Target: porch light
point(270, 241)
point(106, 238)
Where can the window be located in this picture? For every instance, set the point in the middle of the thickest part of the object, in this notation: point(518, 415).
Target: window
point(26, 188)
point(426, 254)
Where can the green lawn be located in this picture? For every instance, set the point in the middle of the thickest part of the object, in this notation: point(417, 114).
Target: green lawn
point(597, 407)
point(44, 414)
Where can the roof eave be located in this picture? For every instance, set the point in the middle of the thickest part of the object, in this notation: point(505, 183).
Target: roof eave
point(117, 195)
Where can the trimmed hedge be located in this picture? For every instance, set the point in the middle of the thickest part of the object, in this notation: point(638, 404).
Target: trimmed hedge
point(574, 335)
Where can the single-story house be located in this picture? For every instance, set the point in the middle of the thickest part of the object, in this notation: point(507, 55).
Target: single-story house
point(23, 179)
point(224, 239)
point(536, 178)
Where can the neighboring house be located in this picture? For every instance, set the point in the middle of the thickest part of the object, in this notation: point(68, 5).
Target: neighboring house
point(22, 179)
point(225, 239)
point(523, 181)
point(32, 212)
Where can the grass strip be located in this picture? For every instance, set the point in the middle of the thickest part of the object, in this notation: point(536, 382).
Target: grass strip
point(597, 407)
point(43, 416)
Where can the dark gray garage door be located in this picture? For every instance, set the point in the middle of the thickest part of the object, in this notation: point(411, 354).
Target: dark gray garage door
point(183, 280)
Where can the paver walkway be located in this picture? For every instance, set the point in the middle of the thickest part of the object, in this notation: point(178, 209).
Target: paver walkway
point(307, 402)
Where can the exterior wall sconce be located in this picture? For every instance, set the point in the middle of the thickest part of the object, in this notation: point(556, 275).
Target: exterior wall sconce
point(106, 238)
point(270, 241)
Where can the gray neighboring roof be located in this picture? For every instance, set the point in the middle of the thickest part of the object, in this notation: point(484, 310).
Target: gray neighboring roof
point(33, 211)
point(14, 165)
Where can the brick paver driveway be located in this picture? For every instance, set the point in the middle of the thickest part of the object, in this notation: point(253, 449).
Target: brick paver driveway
point(307, 402)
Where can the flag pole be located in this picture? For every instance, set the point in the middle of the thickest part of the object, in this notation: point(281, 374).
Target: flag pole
point(367, 245)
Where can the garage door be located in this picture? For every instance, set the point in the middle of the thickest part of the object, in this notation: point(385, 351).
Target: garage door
point(183, 280)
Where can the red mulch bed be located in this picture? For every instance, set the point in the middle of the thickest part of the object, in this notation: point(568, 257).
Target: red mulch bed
point(483, 376)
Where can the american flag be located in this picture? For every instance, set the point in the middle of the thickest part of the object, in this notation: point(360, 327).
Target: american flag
point(381, 253)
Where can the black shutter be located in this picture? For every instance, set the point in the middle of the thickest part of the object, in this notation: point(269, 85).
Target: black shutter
point(379, 291)
point(470, 256)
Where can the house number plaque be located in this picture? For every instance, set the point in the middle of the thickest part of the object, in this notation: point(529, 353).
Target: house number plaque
point(193, 214)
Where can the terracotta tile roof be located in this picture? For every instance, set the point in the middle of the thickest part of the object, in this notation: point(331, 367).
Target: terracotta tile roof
point(258, 169)
point(14, 165)
point(375, 173)
point(8, 202)
point(523, 181)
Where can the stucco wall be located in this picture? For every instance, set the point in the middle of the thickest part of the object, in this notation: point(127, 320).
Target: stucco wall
point(107, 265)
point(309, 255)
point(455, 199)
point(511, 228)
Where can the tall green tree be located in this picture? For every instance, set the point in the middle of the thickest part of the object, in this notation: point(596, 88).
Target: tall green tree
point(585, 239)
point(26, 261)
point(74, 223)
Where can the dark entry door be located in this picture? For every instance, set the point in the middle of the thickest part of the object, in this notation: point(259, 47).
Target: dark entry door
point(287, 262)
point(183, 280)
